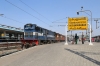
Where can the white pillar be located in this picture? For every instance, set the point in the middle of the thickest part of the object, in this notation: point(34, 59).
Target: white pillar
point(90, 35)
point(66, 43)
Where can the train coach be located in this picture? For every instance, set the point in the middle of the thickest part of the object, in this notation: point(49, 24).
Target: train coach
point(35, 35)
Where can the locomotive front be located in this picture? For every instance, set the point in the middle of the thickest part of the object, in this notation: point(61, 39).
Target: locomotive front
point(29, 36)
point(29, 30)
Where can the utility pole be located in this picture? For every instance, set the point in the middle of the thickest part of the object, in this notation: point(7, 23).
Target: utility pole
point(86, 31)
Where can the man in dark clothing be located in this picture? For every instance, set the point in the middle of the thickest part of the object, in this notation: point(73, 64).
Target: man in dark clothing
point(76, 37)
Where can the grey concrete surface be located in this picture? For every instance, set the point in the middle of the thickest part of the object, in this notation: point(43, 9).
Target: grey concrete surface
point(56, 54)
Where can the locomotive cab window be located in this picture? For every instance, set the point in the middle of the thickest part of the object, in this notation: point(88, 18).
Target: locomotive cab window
point(31, 34)
point(37, 28)
point(26, 34)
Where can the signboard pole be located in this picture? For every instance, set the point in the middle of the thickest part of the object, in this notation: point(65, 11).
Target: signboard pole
point(66, 43)
point(90, 35)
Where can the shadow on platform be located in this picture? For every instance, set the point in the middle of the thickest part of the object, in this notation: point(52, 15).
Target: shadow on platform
point(84, 56)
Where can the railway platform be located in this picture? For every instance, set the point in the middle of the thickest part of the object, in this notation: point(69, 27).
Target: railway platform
point(56, 54)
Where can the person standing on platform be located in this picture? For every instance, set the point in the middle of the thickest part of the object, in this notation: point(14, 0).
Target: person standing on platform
point(82, 39)
point(73, 40)
point(76, 37)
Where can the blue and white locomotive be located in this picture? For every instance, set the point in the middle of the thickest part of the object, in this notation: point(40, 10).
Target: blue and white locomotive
point(34, 35)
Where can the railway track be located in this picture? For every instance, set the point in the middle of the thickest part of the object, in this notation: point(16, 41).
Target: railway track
point(7, 48)
point(7, 44)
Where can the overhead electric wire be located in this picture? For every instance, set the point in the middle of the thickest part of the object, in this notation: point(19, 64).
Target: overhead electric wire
point(12, 19)
point(41, 14)
point(34, 10)
point(59, 20)
point(32, 15)
point(26, 12)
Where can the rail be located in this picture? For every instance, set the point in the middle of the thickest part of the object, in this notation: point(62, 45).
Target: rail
point(9, 47)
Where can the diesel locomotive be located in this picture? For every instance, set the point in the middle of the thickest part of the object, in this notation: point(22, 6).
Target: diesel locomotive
point(35, 35)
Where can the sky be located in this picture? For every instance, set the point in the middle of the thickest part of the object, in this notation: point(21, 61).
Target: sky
point(48, 13)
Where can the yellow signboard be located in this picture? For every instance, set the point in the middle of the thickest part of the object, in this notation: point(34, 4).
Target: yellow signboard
point(78, 23)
